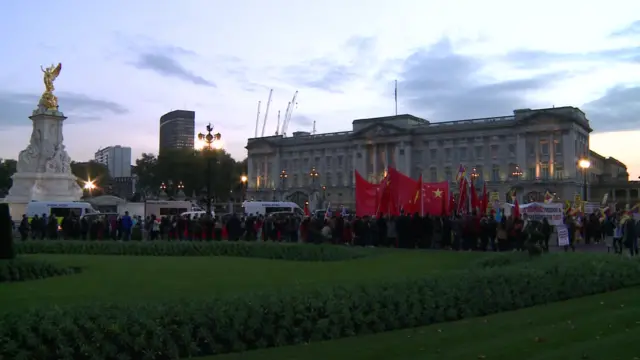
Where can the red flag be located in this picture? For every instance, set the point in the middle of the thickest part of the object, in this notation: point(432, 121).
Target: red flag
point(367, 196)
point(461, 174)
point(462, 198)
point(384, 196)
point(403, 189)
point(474, 197)
point(434, 195)
point(516, 207)
point(416, 203)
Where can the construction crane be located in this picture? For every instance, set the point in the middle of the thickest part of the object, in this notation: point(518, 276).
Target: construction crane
point(287, 115)
point(278, 131)
point(266, 112)
point(257, 119)
point(278, 125)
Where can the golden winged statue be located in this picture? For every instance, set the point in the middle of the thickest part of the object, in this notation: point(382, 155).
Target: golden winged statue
point(48, 100)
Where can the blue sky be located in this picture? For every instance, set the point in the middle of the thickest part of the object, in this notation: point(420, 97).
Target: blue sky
point(127, 63)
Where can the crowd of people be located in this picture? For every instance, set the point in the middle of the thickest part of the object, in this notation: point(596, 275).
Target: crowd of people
point(467, 232)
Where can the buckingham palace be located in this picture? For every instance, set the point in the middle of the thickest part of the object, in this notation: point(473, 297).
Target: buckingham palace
point(531, 151)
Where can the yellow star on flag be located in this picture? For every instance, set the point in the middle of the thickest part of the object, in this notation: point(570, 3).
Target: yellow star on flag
point(437, 193)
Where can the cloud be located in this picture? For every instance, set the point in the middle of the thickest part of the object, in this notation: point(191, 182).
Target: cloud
point(451, 86)
point(162, 61)
point(629, 30)
point(302, 120)
point(527, 59)
point(331, 75)
point(618, 109)
point(16, 108)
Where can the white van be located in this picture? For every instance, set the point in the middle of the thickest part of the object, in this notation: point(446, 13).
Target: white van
point(268, 207)
point(60, 209)
point(163, 208)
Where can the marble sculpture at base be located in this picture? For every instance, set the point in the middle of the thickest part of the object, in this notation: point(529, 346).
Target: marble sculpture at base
point(44, 167)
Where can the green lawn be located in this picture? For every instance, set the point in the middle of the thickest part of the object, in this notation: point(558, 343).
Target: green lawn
point(603, 327)
point(138, 278)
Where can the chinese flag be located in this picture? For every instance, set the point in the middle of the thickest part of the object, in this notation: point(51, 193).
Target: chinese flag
point(463, 198)
point(403, 191)
point(383, 203)
point(367, 196)
point(474, 197)
point(417, 200)
point(434, 194)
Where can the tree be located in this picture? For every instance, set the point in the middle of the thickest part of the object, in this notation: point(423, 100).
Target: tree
point(189, 167)
point(146, 169)
point(7, 169)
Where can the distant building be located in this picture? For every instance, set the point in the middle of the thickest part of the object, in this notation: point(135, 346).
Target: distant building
point(530, 151)
point(117, 159)
point(177, 130)
point(123, 187)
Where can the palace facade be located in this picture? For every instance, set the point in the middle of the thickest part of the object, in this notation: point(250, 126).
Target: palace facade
point(533, 151)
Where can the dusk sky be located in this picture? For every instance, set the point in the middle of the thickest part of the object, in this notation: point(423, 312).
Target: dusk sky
point(125, 63)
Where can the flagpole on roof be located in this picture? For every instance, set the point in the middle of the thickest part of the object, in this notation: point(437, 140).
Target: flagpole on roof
point(396, 96)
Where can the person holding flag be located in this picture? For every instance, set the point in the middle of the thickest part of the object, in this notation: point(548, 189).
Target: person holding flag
point(343, 211)
point(327, 213)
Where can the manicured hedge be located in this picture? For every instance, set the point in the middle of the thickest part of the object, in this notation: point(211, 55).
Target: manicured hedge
point(194, 328)
point(23, 270)
point(503, 259)
point(281, 251)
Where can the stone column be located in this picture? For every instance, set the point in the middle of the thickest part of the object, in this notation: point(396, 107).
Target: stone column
point(521, 152)
point(375, 162)
point(407, 159)
point(354, 163)
point(277, 168)
point(266, 178)
point(251, 176)
point(628, 196)
point(552, 157)
point(569, 154)
point(396, 155)
point(537, 152)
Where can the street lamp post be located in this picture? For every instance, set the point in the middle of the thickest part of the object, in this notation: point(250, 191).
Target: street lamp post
point(89, 186)
point(474, 175)
point(584, 164)
point(180, 193)
point(243, 181)
point(283, 182)
point(314, 175)
point(211, 141)
point(517, 173)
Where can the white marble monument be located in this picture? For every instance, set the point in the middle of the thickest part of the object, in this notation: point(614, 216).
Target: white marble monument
point(43, 170)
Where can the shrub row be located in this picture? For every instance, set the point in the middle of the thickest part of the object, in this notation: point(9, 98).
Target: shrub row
point(23, 270)
point(503, 259)
point(299, 252)
point(195, 328)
